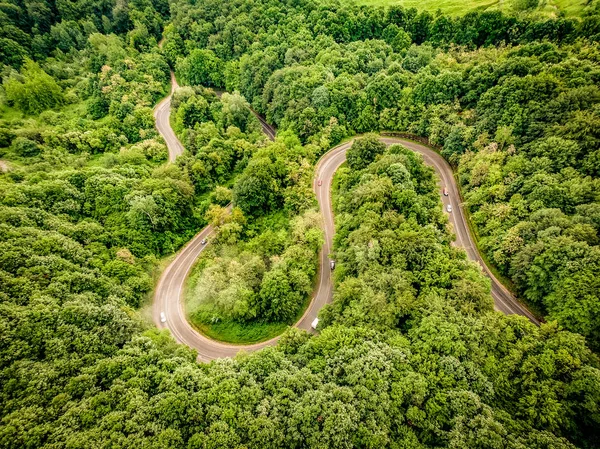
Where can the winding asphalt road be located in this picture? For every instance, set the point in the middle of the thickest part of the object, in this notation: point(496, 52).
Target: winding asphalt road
point(162, 112)
point(168, 297)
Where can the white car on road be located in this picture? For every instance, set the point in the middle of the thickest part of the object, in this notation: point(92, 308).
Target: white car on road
point(449, 208)
point(163, 317)
point(315, 323)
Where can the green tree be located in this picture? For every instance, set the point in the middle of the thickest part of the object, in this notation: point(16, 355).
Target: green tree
point(35, 91)
point(201, 67)
point(363, 151)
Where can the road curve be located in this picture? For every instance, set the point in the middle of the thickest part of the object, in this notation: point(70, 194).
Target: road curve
point(267, 129)
point(504, 300)
point(162, 112)
point(168, 298)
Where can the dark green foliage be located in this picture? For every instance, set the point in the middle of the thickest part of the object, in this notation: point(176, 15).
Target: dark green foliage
point(364, 151)
point(219, 136)
point(392, 245)
point(409, 353)
point(25, 147)
point(36, 28)
point(6, 137)
point(202, 68)
point(352, 70)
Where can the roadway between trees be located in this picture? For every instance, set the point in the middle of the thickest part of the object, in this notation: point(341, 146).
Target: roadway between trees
point(162, 113)
point(169, 298)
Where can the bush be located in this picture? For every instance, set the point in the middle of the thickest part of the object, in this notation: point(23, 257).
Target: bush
point(364, 151)
point(25, 147)
point(222, 196)
point(6, 137)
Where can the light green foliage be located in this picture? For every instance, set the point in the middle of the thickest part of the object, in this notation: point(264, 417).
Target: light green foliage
point(222, 195)
point(459, 8)
point(34, 90)
point(236, 112)
point(201, 67)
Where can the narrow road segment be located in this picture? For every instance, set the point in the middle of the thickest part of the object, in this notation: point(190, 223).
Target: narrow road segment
point(162, 113)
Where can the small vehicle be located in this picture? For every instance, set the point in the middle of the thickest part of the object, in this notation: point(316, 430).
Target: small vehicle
point(203, 241)
point(320, 182)
point(163, 317)
point(449, 208)
point(445, 191)
point(315, 323)
point(332, 264)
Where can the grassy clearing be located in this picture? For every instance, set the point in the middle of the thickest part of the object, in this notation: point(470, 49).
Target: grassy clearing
point(230, 331)
point(453, 7)
point(548, 8)
point(201, 316)
point(238, 333)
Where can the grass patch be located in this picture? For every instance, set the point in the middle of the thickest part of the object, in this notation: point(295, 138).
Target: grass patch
point(206, 319)
point(548, 8)
point(240, 333)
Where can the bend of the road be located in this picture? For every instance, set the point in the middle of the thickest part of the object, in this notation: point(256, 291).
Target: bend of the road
point(169, 294)
point(267, 129)
point(162, 113)
point(504, 300)
point(168, 298)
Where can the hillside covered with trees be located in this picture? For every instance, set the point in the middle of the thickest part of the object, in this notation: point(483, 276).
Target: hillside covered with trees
point(410, 354)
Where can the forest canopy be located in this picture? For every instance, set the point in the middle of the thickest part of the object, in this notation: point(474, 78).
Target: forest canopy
point(410, 354)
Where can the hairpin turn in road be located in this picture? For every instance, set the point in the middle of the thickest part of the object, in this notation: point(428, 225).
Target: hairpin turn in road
point(168, 298)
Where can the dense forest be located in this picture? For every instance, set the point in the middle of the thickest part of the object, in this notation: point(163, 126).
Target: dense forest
point(513, 102)
point(410, 354)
